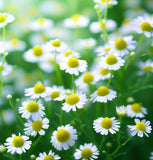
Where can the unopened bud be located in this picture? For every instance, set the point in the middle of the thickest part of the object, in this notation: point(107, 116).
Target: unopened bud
point(132, 54)
point(2, 148)
point(96, 7)
point(108, 144)
point(33, 156)
point(9, 96)
point(121, 111)
point(130, 100)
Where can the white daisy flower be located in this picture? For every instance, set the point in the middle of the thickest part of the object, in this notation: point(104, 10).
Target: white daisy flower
point(56, 93)
point(104, 50)
point(39, 90)
point(32, 109)
point(5, 69)
point(140, 128)
point(121, 111)
point(105, 125)
point(41, 24)
point(50, 156)
point(76, 21)
point(73, 101)
point(86, 151)
point(6, 18)
point(64, 137)
point(18, 144)
point(143, 25)
point(146, 66)
point(112, 62)
point(108, 3)
point(122, 45)
point(136, 110)
point(103, 94)
point(73, 65)
point(151, 156)
point(37, 126)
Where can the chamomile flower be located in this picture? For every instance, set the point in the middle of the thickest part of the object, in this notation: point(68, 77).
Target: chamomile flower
point(39, 90)
point(145, 67)
point(86, 151)
point(103, 50)
point(73, 101)
point(56, 93)
point(64, 137)
point(136, 110)
point(32, 109)
point(121, 111)
point(105, 3)
point(37, 126)
point(103, 94)
point(112, 62)
point(122, 45)
point(50, 156)
point(73, 65)
point(6, 18)
point(105, 125)
point(76, 21)
point(140, 128)
point(18, 144)
point(41, 24)
point(5, 69)
point(143, 25)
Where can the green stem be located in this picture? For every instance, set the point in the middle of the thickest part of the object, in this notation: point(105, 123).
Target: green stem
point(109, 79)
point(98, 109)
point(20, 156)
point(102, 141)
point(73, 83)
point(5, 155)
point(37, 140)
point(40, 72)
point(106, 110)
point(119, 133)
point(61, 117)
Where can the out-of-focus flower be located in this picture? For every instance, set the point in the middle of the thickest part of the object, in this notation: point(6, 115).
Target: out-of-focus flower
point(121, 110)
point(5, 69)
point(145, 67)
point(104, 3)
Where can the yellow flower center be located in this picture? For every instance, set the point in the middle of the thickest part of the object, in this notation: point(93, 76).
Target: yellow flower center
point(147, 68)
point(55, 94)
point(104, 71)
point(86, 153)
point(111, 59)
point(75, 17)
point(140, 126)
point(2, 18)
point(120, 43)
point(67, 53)
point(136, 107)
point(48, 157)
point(62, 135)
point(88, 77)
point(32, 107)
point(14, 41)
point(37, 51)
point(37, 125)
point(145, 26)
point(56, 43)
point(106, 123)
point(72, 99)
point(39, 88)
point(41, 21)
point(73, 62)
point(107, 49)
point(103, 1)
point(1, 68)
point(18, 141)
point(102, 91)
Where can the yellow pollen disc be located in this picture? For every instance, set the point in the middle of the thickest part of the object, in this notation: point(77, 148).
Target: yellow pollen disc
point(67, 53)
point(18, 141)
point(72, 99)
point(126, 21)
point(102, 91)
point(140, 126)
point(147, 68)
point(106, 123)
point(37, 51)
point(37, 125)
point(107, 49)
point(62, 135)
point(103, 1)
point(50, 60)
point(73, 62)
point(41, 21)
point(32, 107)
point(120, 43)
point(75, 17)
point(104, 71)
point(14, 41)
point(39, 88)
point(88, 77)
point(1, 68)
point(111, 59)
point(136, 107)
point(2, 18)
point(86, 153)
point(48, 157)
point(55, 94)
point(56, 43)
point(145, 26)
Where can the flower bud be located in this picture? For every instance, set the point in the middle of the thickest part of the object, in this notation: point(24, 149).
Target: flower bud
point(9, 96)
point(121, 111)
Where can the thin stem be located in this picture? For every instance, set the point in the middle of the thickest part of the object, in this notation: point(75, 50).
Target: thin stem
point(98, 109)
point(20, 156)
point(109, 79)
point(73, 83)
point(119, 133)
point(61, 117)
point(5, 155)
point(102, 141)
point(106, 110)
point(37, 140)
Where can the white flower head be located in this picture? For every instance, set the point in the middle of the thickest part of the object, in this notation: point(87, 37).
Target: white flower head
point(106, 125)
point(18, 144)
point(104, 50)
point(86, 151)
point(73, 101)
point(104, 3)
point(103, 94)
point(64, 137)
point(32, 109)
point(5, 69)
point(145, 67)
point(140, 128)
